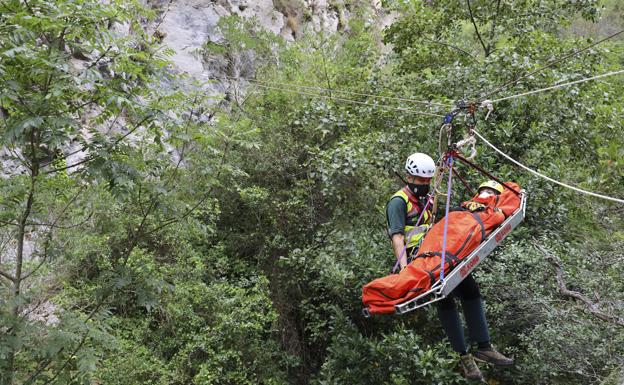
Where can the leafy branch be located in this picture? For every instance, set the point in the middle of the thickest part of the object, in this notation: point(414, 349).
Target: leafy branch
point(474, 23)
point(592, 306)
point(110, 147)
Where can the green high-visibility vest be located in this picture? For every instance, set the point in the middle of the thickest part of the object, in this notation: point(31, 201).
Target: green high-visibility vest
point(412, 236)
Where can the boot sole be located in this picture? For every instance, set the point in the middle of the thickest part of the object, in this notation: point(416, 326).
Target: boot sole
point(493, 362)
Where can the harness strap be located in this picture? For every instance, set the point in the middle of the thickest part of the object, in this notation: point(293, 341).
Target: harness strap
point(480, 222)
point(450, 258)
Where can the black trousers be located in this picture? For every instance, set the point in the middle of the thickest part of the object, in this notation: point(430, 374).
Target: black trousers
point(468, 293)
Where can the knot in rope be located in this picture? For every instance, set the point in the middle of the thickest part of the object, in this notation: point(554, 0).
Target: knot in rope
point(468, 141)
point(489, 105)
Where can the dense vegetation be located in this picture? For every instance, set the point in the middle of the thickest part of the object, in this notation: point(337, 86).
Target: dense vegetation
point(152, 234)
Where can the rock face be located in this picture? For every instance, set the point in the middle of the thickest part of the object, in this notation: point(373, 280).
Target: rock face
point(188, 24)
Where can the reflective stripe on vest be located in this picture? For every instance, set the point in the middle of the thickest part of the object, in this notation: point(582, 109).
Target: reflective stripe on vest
point(413, 213)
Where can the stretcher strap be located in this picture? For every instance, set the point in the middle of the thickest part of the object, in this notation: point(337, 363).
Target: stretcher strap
point(480, 222)
point(448, 202)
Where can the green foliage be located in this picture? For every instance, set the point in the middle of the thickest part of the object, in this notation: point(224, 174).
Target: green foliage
point(399, 357)
point(241, 42)
point(327, 167)
point(201, 333)
point(195, 242)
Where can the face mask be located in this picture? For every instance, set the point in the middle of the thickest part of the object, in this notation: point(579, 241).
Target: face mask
point(420, 190)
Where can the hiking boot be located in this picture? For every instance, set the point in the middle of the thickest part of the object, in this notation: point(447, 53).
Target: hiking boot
point(492, 356)
point(469, 367)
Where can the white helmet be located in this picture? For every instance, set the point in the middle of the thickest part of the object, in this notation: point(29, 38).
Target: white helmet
point(419, 164)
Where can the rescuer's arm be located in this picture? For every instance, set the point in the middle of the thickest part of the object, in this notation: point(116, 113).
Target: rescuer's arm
point(396, 213)
point(398, 244)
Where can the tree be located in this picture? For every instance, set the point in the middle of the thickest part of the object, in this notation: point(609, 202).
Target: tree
point(73, 92)
point(323, 171)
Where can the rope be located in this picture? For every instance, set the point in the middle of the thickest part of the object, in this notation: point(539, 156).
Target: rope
point(448, 202)
point(437, 177)
point(547, 177)
point(489, 102)
point(550, 64)
point(468, 141)
point(382, 106)
point(448, 127)
point(428, 103)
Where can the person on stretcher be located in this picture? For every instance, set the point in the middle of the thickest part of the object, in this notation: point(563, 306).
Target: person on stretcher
point(468, 227)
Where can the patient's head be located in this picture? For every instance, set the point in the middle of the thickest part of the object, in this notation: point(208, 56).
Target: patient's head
point(489, 188)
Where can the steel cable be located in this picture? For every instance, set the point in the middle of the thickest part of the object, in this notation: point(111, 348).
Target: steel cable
point(382, 106)
point(550, 64)
point(601, 196)
point(337, 90)
point(557, 86)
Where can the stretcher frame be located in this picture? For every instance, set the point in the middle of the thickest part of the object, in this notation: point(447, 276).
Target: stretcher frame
point(441, 289)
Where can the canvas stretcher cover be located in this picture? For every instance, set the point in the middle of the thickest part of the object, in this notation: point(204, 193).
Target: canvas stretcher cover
point(466, 230)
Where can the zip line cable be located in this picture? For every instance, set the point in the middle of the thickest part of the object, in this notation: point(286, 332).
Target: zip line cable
point(485, 103)
point(316, 88)
point(382, 106)
point(557, 86)
point(544, 176)
point(270, 85)
point(490, 102)
point(258, 84)
point(550, 64)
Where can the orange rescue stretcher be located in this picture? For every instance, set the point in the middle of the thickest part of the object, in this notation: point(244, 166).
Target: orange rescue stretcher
point(416, 286)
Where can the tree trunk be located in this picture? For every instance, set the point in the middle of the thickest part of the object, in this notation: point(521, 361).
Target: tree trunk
point(9, 372)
